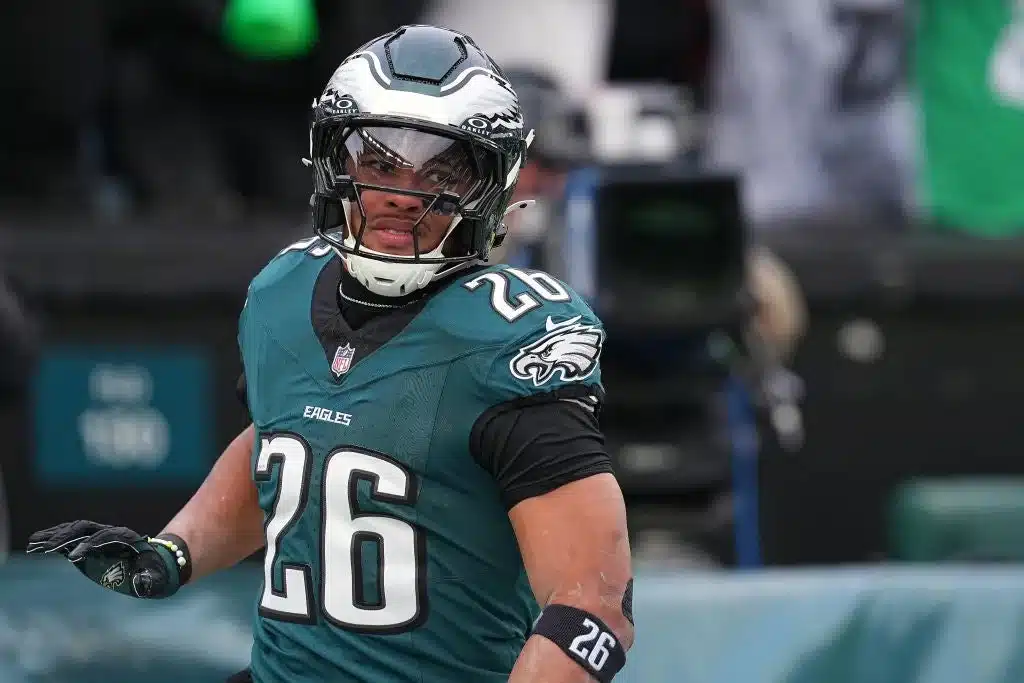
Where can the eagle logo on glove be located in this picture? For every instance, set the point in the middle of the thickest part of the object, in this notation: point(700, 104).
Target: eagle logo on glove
point(113, 577)
point(570, 350)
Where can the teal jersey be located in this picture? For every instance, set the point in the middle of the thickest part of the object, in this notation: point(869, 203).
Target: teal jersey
point(390, 555)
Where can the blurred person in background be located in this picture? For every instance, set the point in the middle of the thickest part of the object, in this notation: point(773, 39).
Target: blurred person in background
point(810, 103)
point(561, 142)
point(780, 309)
point(472, 513)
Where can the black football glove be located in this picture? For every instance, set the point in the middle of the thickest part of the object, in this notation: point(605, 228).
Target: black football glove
point(118, 558)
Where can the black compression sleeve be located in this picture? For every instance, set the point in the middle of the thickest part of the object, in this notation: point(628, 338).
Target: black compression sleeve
point(532, 447)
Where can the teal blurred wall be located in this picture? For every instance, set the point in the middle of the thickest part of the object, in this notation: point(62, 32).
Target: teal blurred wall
point(908, 625)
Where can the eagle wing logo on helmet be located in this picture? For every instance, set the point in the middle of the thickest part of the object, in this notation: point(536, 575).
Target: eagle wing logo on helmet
point(570, 349)
point(495, 125)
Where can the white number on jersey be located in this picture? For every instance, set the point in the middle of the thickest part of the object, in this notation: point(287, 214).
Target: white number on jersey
point(294, 602)
point(543, 285)
point(343, 532)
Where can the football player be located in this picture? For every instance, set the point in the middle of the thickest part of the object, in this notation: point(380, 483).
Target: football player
point(424, 467)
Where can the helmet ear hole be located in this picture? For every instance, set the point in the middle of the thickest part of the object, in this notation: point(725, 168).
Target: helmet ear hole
point(334, 214)
point(461, 240)
point(446, 203)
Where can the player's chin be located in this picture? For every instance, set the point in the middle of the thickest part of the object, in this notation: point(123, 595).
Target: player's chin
point(396, 245)
point(389, 250)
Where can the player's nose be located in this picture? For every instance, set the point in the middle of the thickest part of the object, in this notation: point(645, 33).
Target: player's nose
point(404, 203)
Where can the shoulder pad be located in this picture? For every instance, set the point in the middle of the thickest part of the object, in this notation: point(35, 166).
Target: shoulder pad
point(270, 305)
point(561, 353)
point(540, 335)
point(305, 251)
point(501, 304)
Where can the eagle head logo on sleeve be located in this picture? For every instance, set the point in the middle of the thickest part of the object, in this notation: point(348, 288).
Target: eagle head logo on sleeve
point(570, 349)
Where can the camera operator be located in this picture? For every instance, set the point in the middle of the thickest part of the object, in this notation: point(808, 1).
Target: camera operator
point(561, 143)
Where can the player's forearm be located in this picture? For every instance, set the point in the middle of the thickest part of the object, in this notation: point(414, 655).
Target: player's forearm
point(575, 546)
point(223, 523)
point(541, 661)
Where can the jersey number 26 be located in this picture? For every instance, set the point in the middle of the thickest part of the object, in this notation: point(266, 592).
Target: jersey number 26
point(541, 285)
point(342, 532)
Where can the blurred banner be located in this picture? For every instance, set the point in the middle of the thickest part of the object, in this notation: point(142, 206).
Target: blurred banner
point(969, 65)
point(122, 416)
point(850, 626)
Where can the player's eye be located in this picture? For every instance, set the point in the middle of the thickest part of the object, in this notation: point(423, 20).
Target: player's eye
point(376, 166)
point(438, 177)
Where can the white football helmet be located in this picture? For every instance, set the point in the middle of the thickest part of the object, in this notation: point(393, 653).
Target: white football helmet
point(427, 103)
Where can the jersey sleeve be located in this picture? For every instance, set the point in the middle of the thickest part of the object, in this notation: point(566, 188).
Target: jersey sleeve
point(544, 394)
point(560, 357)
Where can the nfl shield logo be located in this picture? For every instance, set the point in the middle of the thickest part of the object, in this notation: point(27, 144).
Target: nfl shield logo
point(342, 360)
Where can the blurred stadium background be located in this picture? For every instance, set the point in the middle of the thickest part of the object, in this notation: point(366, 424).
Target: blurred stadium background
point(800, 220)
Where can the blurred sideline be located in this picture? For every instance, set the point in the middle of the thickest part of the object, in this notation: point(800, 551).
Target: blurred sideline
point(906, 625)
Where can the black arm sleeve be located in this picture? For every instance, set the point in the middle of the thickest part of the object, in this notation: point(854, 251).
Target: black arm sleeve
point(534, 446)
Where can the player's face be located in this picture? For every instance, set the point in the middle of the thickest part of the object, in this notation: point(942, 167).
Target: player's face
point(402, 159)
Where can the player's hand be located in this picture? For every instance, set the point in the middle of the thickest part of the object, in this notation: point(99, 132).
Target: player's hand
point(116, 558)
